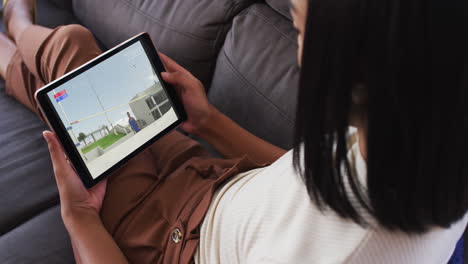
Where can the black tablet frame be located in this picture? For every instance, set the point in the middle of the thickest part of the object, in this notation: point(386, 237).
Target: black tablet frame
point(60, 130)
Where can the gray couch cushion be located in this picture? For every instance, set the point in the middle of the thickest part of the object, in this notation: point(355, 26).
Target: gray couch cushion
point(61, 5)
point(53, 13)
point(31, 229)
point(190, 31)
point(43, 239)
point(255, 81)
point(27, 185)
point(280, 6)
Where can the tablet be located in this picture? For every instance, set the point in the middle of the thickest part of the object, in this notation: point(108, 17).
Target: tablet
point(112, 108)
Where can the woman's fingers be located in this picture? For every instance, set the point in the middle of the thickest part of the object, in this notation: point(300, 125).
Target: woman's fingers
point(178, 79)
point(62, 168)
point(170, 64)
point(56, 154)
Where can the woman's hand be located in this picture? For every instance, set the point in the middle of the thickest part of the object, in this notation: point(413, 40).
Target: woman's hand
point(75, 199)
point(192, 94)
point(230, 139)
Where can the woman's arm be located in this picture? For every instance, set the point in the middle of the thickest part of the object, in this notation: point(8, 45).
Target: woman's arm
point(80, 212)
point(75, 252)
point(233, 141)
point(205, 121)
point(91, 241)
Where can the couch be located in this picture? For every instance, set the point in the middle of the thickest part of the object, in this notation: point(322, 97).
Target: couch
point(244, 51)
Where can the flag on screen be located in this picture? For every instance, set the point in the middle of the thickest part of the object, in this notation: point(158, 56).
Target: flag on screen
point(60, 95)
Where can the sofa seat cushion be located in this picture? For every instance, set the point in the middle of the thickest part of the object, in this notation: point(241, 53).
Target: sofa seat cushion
point(27, 184)
point(53, 13)
point(62, 5)
point(256, 77)
point(189, 31)
point(42, 239)
point(31, 229)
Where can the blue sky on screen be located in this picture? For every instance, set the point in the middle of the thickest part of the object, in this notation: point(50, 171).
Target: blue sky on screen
point(116, 81)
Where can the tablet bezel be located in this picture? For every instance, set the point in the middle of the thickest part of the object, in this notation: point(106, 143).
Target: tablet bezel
point(60, 130)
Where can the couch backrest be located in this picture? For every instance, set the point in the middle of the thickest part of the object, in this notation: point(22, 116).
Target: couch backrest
point(65, 5)
point(256, 77)
point(280, 6)
point(242, 50)
point(190, 31)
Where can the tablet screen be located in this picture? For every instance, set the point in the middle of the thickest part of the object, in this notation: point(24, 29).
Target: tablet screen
point(113, 108)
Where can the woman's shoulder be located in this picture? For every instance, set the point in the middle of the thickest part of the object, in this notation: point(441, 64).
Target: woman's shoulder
point(274, 202)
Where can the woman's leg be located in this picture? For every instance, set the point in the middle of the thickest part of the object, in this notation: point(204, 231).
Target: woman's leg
point(18, 15)
point(7, 50)
point(43, 55)
point(131, 185)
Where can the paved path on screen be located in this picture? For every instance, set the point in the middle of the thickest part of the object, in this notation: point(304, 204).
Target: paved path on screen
point(106, 161)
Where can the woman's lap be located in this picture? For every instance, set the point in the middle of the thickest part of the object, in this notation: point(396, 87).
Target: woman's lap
point(44, 55)
point(165, 190)
point(132, 184)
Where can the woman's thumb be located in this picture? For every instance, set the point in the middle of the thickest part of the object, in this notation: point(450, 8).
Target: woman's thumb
point(56, 153)
point(168, 77)
point(178, 79)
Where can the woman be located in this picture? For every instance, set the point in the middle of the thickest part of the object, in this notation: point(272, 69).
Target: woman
point(393, 191)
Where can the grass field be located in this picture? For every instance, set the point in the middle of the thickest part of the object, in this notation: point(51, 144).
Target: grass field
point(103, 142)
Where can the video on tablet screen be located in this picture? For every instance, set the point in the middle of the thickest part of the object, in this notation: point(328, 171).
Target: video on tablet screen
point(113, 108)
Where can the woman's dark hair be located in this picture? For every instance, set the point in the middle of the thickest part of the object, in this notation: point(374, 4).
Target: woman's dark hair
point(411, 57)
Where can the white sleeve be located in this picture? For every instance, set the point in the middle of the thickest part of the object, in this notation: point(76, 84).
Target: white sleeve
point(273, 220)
